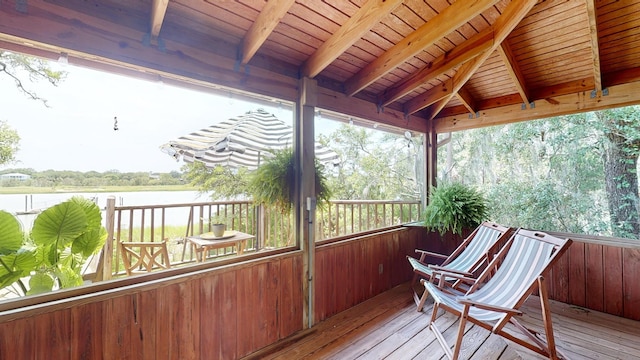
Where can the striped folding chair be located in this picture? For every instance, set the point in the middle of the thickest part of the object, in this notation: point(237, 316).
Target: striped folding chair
point(470, 257)
point(492, 302)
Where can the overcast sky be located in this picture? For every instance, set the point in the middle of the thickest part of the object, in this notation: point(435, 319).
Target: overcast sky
point(76, 131)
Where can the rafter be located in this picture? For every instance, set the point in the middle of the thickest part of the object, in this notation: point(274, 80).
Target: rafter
point(502, 27)
point(467, 99)
point(158, 9)
point(595, 47)
point(426, 35)
point(514, 71)
point(351, 31)
point(271, 14)
point(448, 61)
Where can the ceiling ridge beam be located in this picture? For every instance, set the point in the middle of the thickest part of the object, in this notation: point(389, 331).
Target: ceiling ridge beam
point(514, 71)
point(595, 47)
point(547, 94)
point(158, 10)
point(270, 16)
point(426, 35)
point(351, 31)
point(448, 61)
point(510, 18)
point(619, 95)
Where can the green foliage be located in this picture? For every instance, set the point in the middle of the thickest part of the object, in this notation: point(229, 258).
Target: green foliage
point(9, 140)
point(550, 174)
point(273, 183)
point(224, 183)
point(20, 67)
point(375, 165)
point(454, 207)
point(101, 181)
point(52, 255)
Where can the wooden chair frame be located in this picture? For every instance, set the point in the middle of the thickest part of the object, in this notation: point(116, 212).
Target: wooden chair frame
point(475, 253)
point(530, 260)
point(151, 255)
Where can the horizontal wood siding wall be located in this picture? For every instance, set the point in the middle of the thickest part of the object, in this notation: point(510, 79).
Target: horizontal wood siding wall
point(214, 314)
point(349, 272)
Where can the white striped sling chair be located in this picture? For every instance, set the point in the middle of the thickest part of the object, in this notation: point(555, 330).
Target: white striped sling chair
point(470, 257)
point(494, 299)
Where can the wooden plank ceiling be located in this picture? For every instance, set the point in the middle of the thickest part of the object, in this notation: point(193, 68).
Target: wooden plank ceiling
point(408, 63)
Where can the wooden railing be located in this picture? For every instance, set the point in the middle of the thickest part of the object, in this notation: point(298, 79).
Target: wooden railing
point(345, 217)
point(175, 222)
point(273, 230)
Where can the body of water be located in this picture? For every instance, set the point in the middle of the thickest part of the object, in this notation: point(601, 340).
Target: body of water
point(15, 203)
point(21, 203)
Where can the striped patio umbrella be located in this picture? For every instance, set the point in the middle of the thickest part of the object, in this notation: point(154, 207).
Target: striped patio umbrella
point(245, 141)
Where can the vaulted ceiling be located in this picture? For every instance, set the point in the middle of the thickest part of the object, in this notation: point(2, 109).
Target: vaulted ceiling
point(417, 64)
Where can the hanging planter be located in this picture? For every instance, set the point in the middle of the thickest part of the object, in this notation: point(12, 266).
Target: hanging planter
point(273, 183)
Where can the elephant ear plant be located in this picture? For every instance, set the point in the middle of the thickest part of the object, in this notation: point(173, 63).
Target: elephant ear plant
point(455, 207)
point(51, 257)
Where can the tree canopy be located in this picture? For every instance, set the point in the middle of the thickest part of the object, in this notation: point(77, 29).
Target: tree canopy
point(19, 68)
point(575, 173)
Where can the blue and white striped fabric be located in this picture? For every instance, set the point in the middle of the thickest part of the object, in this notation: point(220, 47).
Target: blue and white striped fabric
point(524, 262)
point(484, 239)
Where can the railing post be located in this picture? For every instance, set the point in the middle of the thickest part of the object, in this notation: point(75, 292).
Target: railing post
point(261, 227)
point(107, 250)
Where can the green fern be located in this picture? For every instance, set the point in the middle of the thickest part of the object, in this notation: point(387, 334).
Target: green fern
point(454, 207)
point(274, 182)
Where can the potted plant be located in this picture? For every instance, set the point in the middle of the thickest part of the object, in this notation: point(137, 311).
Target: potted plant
point(454, 207)
point(51, 255)
point(274, 182)
point(218, 224)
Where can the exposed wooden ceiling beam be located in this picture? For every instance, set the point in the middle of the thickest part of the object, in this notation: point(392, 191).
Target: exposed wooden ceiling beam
point(510, 18)
point(158, 9)
point(271, 14)
point(351, 31)
point(467, 99)
point(619, 95)
point(514, 71)
point(426, 35)
point(595, 47)
point(448, 61)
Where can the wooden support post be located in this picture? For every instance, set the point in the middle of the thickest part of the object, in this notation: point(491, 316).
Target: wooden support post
point(304, 140)
point(431, 158)
point(107, 250)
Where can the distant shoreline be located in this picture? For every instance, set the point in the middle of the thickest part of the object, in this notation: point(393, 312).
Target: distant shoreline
point(90, 189)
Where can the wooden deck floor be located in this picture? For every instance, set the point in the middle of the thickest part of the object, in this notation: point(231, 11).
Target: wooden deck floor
point(389, 327)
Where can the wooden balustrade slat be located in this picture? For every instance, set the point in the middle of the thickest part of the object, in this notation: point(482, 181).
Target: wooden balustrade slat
point(595, 277)
point(613, 275)
point(577, 274)
point(631, 285)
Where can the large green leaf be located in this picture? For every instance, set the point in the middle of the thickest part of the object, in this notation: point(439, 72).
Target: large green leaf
point(89, 242)
point(39, 283)
point(9, 277)
point(15, 266)
point(91, 210)
point(69, 277)
point(59, 224)
point(24, 260)
point(11, 235)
